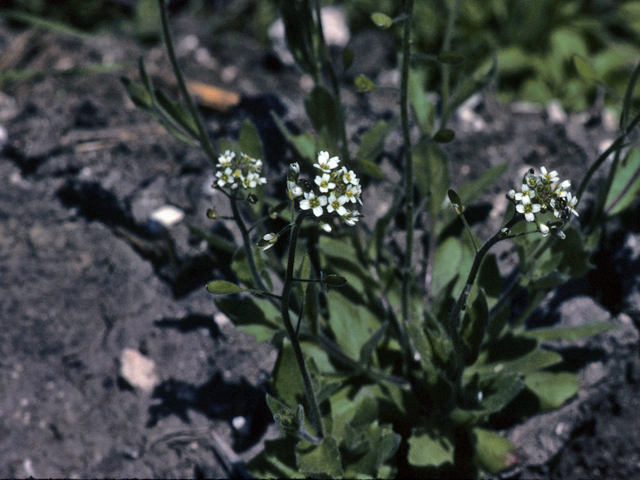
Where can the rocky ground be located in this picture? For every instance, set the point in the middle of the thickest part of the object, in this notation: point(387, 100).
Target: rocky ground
point(113, 359)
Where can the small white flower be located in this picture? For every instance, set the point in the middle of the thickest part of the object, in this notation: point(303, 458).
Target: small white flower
point(351, 217)
point(543, 229)
point(325, 163)
point(349, 176)
point(224, 177)
point(549, 177)
point(511, 195)
point(268, 241)
point(561, 189)
point(313, 203)
point(295, 190)
point(294, 167)
point(251, 180)
point(571, 203)
point(226, 158)
point(325, 226)
point(335, 204)
point(324, 182)
point(525, 195)
point(351, 193)
point(528, 210)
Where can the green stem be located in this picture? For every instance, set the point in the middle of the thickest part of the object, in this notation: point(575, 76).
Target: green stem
point(168, 40)
point(335, 87)
point(246, 242)
point(316, 416)
point(446, 45)
point(408, 172)
point(477, 261)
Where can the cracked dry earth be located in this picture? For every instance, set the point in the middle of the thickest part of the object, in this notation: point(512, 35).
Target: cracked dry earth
point(113, 359)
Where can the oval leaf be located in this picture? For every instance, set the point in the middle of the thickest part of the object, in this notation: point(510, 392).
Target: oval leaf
point(222, 287)
point(451, 58)
point(583, 68)
point(364, 84)
point(444, 136)
point(381, 20)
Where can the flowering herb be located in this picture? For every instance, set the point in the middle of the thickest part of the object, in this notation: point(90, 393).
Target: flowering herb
point(538, 194)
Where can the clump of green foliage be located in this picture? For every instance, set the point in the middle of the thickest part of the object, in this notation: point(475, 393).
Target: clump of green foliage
point(533, 42)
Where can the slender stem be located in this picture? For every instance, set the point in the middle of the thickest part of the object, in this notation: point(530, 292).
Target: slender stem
point(462, 299)
point(446, 44)
point(246, 242)
point(168, 40)
point(408, 170)
point(326, 61)
point(316, 416)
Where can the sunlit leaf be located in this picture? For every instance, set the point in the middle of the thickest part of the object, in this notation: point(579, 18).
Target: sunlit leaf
point(552, 388)
point(495, 453)
point(364, 83)
point(381, 20)
point(222, 287)
point(431, 445)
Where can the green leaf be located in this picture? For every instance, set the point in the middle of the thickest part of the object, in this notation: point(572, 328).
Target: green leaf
point(323, 459)
point(474, 326)
point(302, 35)
point(253, 316)
point(470, 191)
point(470, 85)
point(494, 452)
point(572, 333)
point(364, 84)
point(303, 144)
point(552, 389)
point(322, 110)
point(277, 460)
point(287, 382)
point(432, 445)
point(451, 58)
point(368, 349)
point(347, 58)
point(423, 108)
point(446, 264)
point(370, 169)
point(532, 361)
point(583, 68)
point(215, 241)
point(178, 113)
point(249, 141)
point(444, 136)
point(372, 142)
point(222, 287)
point(334, 281)
point(431, 173)
point(139, 95)
point(351, 324)
point(381, 20)
point(626, 184)
point(377, 444)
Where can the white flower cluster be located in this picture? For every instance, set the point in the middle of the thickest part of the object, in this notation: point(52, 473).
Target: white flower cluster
point(334, 191)
point(243, 172)
point(538, 195)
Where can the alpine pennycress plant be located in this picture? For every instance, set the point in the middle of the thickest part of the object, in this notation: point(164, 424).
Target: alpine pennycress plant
point(381, 373)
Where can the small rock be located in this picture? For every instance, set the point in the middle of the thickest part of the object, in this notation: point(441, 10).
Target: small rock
point(164, 217)
point(139, 371)
point(240, 425)
point(556, 113)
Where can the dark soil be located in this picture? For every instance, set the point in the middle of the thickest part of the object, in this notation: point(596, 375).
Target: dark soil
point(85, 281)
